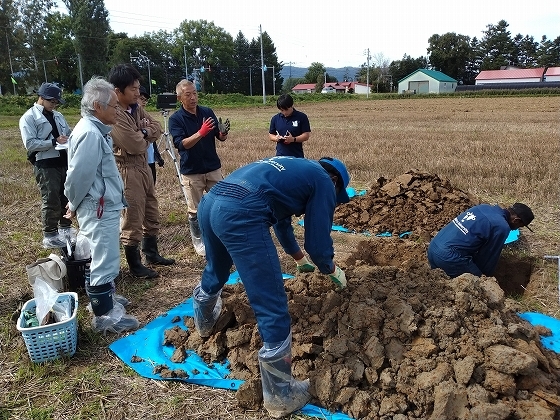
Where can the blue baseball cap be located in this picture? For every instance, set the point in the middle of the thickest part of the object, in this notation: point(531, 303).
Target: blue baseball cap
point(338, 166)
point(50, 91)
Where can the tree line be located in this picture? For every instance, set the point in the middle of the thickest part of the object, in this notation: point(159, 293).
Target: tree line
point(42, 44)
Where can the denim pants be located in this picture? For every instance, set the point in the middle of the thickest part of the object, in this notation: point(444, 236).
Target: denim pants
point(236, 230)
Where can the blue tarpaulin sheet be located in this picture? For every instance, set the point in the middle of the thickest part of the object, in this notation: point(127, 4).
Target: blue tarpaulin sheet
point(146, 344)
point(535, 318)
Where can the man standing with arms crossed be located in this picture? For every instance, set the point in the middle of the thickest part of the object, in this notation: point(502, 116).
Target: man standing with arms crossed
point(132, 133)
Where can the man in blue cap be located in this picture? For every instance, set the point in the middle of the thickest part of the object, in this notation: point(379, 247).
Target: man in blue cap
point(45, 132)
point(235, 218)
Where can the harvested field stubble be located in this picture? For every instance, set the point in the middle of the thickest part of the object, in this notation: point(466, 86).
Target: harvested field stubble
point(495, 149)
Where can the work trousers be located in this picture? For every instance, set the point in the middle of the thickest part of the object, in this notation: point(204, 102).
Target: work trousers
point(237, 231)
point(450, 261)
point(53, 201)
point(141, 217)
point(196, 185)
point(103, 237)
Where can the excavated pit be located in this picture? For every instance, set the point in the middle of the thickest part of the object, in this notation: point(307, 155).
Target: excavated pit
point(402, 341)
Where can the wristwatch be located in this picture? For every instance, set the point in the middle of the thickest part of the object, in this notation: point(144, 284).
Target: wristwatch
point(145, 132)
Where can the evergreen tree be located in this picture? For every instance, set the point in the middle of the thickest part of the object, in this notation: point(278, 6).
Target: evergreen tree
point(242, 58)
point(90, 28)
point(525, 51)
point(496, 47)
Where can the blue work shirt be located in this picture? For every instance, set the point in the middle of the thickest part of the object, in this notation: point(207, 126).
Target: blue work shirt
point(202, 157)
point(479, 232)
point(295, 124)
point(292, 186)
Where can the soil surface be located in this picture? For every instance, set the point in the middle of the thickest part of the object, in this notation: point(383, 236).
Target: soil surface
point(402, 341)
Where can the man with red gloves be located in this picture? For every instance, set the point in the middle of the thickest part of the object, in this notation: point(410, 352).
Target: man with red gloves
point(235, 217)
point(194, 129)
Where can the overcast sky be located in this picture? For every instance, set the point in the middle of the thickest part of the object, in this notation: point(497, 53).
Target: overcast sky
point(339, 34)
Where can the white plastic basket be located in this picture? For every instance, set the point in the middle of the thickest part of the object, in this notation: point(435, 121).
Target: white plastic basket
point(51, 342)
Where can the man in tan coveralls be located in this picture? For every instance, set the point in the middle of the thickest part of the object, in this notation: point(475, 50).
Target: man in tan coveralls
point(134, 131)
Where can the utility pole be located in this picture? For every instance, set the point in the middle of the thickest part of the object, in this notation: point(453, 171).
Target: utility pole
point(262, 66)
point(273, 82)
point(81, 75)
point(250, 81)
point(367, 77)
point(45, 69)
point(10, 57)
point(185, 54)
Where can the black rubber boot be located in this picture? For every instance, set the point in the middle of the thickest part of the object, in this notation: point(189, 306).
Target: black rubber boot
point(100, 297)
point(150, 250)
point(137, 269)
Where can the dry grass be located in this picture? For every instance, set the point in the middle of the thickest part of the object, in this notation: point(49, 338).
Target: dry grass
point(501, 149)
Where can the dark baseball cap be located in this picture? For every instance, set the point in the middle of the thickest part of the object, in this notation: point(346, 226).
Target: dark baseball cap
point(144, 92)
point(524, 213)
point(342, 196)
point(50, 91)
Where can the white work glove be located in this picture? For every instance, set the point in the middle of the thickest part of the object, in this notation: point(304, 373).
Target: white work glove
point(338, 277)
point(304, 265)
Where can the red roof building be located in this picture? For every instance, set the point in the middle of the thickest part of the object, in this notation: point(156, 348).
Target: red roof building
point(510, 76)
point(552, 74)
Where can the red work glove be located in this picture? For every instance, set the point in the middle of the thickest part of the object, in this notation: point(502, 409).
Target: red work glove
point(207, 126)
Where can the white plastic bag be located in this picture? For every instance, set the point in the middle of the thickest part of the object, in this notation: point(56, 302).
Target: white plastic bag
point(116, 320)
point(82, 249)
point(45, 300)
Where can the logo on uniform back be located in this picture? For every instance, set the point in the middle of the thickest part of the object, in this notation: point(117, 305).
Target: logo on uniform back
point(468, 216)
point(459, 224)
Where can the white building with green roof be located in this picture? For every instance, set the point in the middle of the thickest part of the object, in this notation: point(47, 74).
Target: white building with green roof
point(427, 81)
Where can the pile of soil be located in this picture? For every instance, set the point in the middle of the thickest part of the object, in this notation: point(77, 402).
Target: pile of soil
point(416, 202)
point(402, 341)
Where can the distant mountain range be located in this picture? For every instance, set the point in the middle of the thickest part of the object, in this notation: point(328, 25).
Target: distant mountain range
point(339, 73)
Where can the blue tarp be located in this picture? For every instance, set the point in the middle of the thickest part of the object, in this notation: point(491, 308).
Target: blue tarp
point(535, 318)
point(146, 344)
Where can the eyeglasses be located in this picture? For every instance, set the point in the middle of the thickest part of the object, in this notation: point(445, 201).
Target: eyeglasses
point(112, 106)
